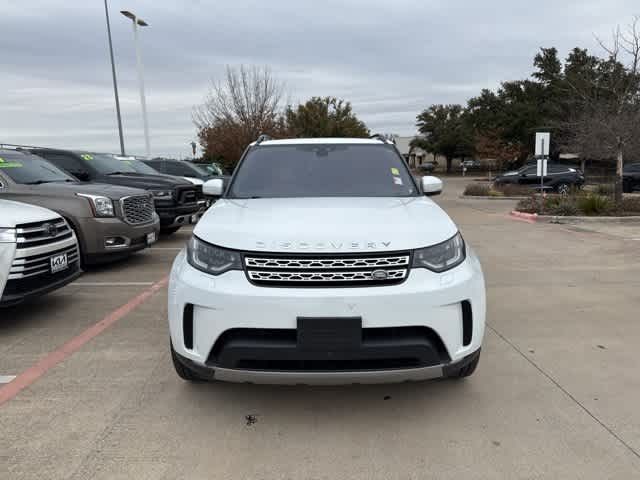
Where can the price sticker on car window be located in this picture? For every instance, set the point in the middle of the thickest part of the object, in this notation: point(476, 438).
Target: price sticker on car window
point(86, 156)
point(395, 171)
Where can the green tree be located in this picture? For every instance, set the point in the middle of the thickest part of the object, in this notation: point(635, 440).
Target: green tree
point(324, 117)
point(445, 132)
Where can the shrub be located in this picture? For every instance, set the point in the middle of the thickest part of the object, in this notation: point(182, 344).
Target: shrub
point(477, 189)
point(594, 204)
point(511, 190)
point(563, 206)
point(604, 189)
point(495, 193)
point(630, 205)
point(528, 205)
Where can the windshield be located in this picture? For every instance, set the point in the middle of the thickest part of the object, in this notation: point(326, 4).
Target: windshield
point(198, 171)
point(211, 169)
point(106, 164)
point(322, 171)
point(25, 168)
point(140, 167)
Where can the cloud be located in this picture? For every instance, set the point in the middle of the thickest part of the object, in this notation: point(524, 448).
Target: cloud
point(390, 59)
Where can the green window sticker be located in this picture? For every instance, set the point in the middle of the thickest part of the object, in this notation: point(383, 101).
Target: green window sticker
point(86, 156)
point(1, 160)
point(4, 164)
point(395, 171)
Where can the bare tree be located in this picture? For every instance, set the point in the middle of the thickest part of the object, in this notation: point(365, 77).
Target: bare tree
point(606, 123)
point(247, 103)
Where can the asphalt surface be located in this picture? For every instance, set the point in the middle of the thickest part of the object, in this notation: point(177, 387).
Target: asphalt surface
point(556, 394)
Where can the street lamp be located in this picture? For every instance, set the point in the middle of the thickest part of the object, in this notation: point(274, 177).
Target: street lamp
point(138, 21)
point(115, 82)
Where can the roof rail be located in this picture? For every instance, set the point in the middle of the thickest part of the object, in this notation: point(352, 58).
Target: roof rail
point(262, 138)
point(16, 146)
point(383, 138)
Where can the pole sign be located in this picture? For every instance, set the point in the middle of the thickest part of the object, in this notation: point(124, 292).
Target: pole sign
point(542, 167)
point(543, 139)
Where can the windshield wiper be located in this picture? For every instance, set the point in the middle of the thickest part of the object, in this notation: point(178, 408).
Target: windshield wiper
point(40, 182)
point(121, 173)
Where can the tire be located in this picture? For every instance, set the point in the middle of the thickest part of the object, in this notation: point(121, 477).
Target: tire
point(169, 230)
point(563, 189)
point(183, 371)
point(467, 370)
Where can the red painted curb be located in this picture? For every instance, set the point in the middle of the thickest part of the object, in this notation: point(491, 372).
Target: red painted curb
point(31, 374)
point(529, 217)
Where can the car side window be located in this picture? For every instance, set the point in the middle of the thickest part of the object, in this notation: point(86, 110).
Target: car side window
point(531, 171)
point(69, 164)
point(177, 169)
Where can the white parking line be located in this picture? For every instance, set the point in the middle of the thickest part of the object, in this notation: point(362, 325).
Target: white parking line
point(6, 378)
point(112, 284)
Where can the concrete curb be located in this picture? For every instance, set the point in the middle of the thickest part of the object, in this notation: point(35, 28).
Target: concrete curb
point(485, 197)
point(559, 219)
point(529, 217)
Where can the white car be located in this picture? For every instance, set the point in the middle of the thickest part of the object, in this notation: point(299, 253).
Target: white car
point(325, 262)
point(38, 252)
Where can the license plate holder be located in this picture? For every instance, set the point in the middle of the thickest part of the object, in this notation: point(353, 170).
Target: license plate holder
point(59, 263)
point(151, 238)
point(329, 333)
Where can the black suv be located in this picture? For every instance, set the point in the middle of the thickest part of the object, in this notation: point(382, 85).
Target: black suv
point(631, 177)
point(176, 200)
point(560, 178)
point(182, 168)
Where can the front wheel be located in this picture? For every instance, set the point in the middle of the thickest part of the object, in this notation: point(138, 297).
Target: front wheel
point(467, 370)
point(169, 231)
point(563, 189)
point(183, 371)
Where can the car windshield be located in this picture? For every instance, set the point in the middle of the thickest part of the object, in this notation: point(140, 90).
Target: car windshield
point(211, 169)
point(323, 170)
point(106, 164)
point(139, 166)
point(25, 168)
point(204, 169)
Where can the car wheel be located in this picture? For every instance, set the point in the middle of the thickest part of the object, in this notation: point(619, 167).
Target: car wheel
point(169, 231)
point(563, 189)
point(183, 371)
point(467, 370)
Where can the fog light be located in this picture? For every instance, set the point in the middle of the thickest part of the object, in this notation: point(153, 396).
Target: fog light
point(111, 242)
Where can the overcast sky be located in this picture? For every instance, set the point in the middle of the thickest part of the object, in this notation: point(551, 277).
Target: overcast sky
point(389, 58)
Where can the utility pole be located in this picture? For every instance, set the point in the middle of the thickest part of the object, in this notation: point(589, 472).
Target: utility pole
point(115, 82)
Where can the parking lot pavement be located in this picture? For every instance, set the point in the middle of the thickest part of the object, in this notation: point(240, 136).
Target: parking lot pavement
point(555, 395)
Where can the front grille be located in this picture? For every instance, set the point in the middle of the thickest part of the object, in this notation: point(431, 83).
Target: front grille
point(327, 270)
point(36, 266)
point(137, 210)
point(42, 233)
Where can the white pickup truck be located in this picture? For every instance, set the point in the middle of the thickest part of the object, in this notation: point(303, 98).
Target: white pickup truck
point(38, 252)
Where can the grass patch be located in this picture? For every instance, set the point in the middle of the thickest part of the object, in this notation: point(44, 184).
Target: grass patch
point(489, 190)
point(580, 204)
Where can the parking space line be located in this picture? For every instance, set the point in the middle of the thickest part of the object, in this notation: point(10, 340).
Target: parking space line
point(6, 378)
point(31, 374)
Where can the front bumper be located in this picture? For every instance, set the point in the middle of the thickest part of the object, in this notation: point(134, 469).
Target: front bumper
point(202, 308)
point(177, 216)
point(94, 232)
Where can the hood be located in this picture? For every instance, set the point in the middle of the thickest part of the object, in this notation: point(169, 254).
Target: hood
point(114, 192)
point(325, 224)
point(16, 213)
point(146, 182)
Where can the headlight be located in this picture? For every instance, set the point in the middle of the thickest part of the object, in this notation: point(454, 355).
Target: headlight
point(211, 259)
point(8, 235)
point(162, 194)
point(102, 206)
point(441, 257)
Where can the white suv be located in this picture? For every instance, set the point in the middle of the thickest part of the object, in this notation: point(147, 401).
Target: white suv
point(38, 252)
point(325, 262)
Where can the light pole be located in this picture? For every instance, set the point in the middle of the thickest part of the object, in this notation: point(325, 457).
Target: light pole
point(138, 21)
point(115, 82)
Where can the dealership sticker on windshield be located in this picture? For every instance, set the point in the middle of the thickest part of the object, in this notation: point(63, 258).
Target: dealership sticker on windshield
point(5, 164)
point(397, 180)
point(395, 171)
point(86, 156)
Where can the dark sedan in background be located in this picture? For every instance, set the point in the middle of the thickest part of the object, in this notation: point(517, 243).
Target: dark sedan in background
point(631, 178)
point(560, 178)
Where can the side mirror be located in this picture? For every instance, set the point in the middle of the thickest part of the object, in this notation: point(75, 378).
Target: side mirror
point(213, 188)
point(431, 186)
point(81, 175)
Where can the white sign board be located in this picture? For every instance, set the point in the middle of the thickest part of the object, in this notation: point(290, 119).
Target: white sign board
point(542, 143)
point(542, 168)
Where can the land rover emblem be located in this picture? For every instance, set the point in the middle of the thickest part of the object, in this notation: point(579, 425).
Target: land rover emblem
point(379, 275)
